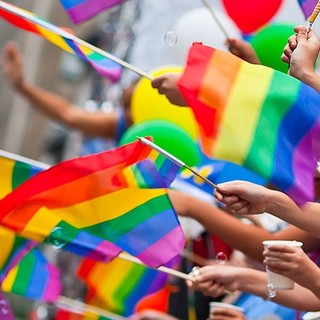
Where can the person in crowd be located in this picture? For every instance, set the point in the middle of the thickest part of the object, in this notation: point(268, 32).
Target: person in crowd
point(97, 124)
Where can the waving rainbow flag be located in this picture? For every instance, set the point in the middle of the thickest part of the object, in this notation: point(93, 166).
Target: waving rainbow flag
point(28, 21)
point(120, 284)
point(255, 116)
point(82, 10)
point(34, 277)
point(307, 7)
point(95, 195)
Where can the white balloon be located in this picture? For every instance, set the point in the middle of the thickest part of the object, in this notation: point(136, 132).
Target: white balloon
point(198, 25)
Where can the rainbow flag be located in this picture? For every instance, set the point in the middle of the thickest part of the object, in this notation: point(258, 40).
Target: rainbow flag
point(82, 10)
point(13, 249)
point(13, 173)
point(307, 7)
point(65, 40)
point(120, 284)
point(98, 195)
point(34, 277)
point(255, 116)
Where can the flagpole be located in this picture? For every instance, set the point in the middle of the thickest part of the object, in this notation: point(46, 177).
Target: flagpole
point(113, 58)
point(314, 15)
point(175, 160)
point(172, 272)
point(16, 157)
point(71, 304)
point(209, 7)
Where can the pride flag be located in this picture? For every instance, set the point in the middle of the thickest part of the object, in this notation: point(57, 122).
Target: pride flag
point(34, 277)
point(13, 173)
point(95, 195)
point(103, 63)
point(255, 116)
point(307, 7)
point(82, 10)
point(13, 249)
point(120, 284)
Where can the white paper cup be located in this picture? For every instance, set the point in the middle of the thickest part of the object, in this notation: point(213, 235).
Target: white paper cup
point(282, 282)
point(311, 316)
point(214, 305)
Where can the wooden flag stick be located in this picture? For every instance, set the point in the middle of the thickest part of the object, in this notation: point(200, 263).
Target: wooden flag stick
point(16, 157)
point(314, 15)
point(172, 272)
point(69, 304)
point(209, 7)
point(175, 160)
point(113, 58)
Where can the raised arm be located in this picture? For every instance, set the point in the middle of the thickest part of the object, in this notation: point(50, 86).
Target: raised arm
point(52, 105)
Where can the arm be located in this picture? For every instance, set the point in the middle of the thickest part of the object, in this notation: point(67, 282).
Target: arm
point(215, 280)
point(301, 54)
point(56, 108)
point(242, 197)
point(230, 229)
point(293, 263)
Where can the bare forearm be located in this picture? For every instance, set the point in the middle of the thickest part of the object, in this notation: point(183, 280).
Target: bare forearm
point(254, 282)
point(49, 103)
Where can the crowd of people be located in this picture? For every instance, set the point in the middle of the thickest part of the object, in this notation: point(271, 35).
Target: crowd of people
point(242, 277)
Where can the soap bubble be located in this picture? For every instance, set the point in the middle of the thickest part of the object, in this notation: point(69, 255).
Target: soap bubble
point(221, 258)
point(57, 238)
point(271, 290)
point(170, 38)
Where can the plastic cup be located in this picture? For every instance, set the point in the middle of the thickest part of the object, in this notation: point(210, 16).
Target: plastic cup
point(214, 305)
point(282, 282)
point(311, 316)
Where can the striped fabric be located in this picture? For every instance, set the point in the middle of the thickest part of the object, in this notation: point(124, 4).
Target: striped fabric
point(255, 116)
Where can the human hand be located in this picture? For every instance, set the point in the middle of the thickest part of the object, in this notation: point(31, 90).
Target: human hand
point(215, 280)
point(291, 262)
point(242, 197)
point(12, 65)
point(226, 314)
point(301, 53)
point(243, 50)
point(167, 85)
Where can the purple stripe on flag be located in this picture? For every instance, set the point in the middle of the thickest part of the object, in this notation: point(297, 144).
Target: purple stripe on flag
point(89, 8)
point(307, 7)
point(107, 249)
point(174, 239)
point(53, 287)
point(300, 163)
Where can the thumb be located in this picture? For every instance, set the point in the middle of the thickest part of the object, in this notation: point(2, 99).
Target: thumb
point(302, 34)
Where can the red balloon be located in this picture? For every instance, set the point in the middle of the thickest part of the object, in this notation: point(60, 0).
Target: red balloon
point(250, 15)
